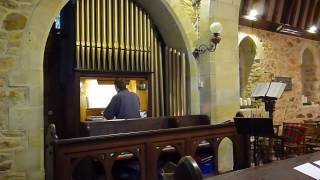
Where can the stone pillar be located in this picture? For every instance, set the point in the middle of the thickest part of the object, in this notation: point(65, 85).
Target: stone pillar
point(219, 71)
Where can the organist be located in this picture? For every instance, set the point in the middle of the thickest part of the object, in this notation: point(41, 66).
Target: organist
point(123, 105)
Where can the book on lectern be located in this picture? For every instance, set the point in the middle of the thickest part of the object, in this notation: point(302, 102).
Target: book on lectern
point(270, 89)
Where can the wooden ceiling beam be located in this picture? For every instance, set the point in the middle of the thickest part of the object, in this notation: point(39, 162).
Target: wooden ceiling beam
point(244, 6)
point(278, 11)
point(296, 13)
point(287, 11)
point(303, 14)
point(316, 18)
point(266, 9)
point(311, 12)
point(270, 11)
point(249, 7)
point(272, 26)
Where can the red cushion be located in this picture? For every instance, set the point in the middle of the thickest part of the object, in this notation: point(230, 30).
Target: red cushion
point(294, 133)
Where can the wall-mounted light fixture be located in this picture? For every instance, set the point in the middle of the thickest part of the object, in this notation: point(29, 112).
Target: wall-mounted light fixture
point(252, 15)
point(286, 28)
point(313, 29)
point(216, 29)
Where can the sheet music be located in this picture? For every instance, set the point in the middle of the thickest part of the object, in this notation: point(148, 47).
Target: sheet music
point(272, 89)
point(276, 89)
point(260, 90)
point(309, 170)
point(317, 163)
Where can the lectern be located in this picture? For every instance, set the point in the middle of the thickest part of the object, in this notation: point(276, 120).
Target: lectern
point(262, 127)
point(256, 127)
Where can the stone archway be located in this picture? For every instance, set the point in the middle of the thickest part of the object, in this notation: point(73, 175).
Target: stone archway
point(250, 55)
point(309, 78)
point(247, 56)
point(225, 155)
point(28, 76)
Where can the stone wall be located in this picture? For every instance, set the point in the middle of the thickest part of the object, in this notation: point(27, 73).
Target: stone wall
point(24, 28)
point(281, 55)
point(20, 153)
point(219, 70)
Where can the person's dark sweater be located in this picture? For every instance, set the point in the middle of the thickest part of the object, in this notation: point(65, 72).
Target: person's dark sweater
point(124, 105)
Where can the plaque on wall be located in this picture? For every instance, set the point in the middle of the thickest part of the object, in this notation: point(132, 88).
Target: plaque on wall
point(286, 80)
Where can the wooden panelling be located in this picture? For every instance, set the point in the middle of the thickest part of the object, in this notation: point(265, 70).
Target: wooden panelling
point(146, 146)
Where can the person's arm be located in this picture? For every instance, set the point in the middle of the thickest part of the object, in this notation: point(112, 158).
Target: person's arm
point(138, 101)
point(112, 109)
point(139, 105)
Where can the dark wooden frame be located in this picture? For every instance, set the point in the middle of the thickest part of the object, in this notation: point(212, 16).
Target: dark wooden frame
point(80, 73)
point(146, 145)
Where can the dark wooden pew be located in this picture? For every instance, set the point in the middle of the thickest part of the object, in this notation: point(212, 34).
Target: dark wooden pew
point(103, 127)
point(141, 146)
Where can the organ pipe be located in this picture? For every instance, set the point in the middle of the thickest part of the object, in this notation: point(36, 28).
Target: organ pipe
point(104, 33)
point(118, 35)
point(110, 37)
point(93, 44)
point(98, 33)
point(121, 33)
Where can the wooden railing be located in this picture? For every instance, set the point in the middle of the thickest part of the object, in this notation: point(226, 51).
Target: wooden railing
point(92, 156)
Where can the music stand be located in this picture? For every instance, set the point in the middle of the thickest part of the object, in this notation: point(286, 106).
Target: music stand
point(257, 127)
point(269, 93)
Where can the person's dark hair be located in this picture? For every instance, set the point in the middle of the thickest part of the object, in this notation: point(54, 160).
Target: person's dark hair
point(239, 114)
point(120, 84)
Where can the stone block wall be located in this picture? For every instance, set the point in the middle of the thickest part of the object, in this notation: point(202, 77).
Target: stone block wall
point(15, 145)
point(24, 27)
point(219, 70)
point(281, 55)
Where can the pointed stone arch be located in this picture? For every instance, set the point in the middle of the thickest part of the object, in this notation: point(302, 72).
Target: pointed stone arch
point(309, 75)
point(249, 60)
point(225, 155)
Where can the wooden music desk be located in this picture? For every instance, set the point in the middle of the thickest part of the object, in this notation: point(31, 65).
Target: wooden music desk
point(277, 170)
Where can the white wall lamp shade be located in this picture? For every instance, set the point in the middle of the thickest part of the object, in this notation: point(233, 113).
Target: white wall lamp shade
point(216, 27)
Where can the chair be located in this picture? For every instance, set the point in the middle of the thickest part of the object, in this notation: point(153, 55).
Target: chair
point(310, 135)
point(293, 138)
point(187, 169)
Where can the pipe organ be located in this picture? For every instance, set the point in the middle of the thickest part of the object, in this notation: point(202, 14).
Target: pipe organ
point(119, 36)
point(175, 70)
